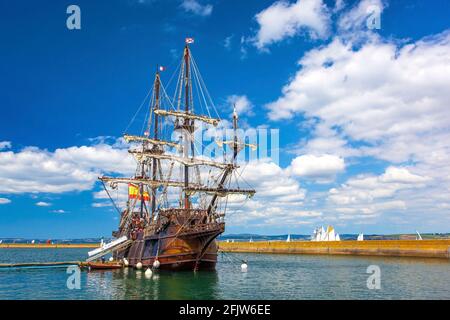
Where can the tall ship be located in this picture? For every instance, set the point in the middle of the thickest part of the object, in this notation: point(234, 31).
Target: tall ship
point(177, 199)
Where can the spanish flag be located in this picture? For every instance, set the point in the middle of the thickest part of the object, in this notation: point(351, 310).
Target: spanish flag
point(133, 193)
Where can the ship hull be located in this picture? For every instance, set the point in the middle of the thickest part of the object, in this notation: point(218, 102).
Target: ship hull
point(188, 252)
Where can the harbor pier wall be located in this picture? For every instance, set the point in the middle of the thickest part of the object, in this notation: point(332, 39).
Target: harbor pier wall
point(393, 248)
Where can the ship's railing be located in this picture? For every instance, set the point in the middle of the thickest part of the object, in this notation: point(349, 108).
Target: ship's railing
point(199, 228)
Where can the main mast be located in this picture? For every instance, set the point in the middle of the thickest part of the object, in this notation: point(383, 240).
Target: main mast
point(187, 125)
point(155, 136)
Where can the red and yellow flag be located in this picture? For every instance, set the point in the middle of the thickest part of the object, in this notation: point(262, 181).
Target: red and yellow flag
point(133, 193)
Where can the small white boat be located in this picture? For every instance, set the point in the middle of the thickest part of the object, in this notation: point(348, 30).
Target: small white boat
point(419, 237)
point(360, 237)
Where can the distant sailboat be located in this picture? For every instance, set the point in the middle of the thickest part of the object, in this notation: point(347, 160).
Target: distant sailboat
point(419, 237)
point(32, 241)
point(329, 235)
point(288, 238)
point(1, 241)
point(251, 240)
point(360, 237)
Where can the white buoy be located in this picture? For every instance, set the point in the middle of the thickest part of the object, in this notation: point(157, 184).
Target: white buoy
point(125, 262)
point(148, 273)
point(111, 259)
point(244, 267)
point(156, 264)
point(139, 265)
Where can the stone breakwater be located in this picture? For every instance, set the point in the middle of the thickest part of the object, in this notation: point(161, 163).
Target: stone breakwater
point(393, 248)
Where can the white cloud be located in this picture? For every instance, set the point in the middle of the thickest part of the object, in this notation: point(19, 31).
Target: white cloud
point(317, 166)
point(370, 194)
point(33, 170)
point(284, 20)
point(356, 17)
point(278, 200)
point(393, 98)
point(338, 6)
point(4, 201)
point(5, 145)
point(227, 42)
point(401, 175)
point(59, 211)
point(195, 7)
point(43, 204)
point(383, 100)
point(241, 102)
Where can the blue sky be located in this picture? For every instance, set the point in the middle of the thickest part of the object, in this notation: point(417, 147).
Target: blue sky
point(364, 132)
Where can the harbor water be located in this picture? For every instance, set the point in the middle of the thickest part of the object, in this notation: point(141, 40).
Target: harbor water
point(269, 276)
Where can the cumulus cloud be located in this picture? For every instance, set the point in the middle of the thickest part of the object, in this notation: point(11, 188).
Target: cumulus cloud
point(34, 170)
point(278, 200)
point(357, 16)
point(5, 145)
point(385, 101)
point(242, 104)
point(317, 166)
point(388, 96)
point(284, 20)
point(59, 211)
point(4, 201)
point(227, 42)
point(370, 194)
point(43, 204)
point(195, 7)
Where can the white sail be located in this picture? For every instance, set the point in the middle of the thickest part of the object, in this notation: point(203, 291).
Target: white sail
point(338, 237)
point(288, 238)
point(323, 234)
point(360, 237)
point(330, 235)
point(419, 237)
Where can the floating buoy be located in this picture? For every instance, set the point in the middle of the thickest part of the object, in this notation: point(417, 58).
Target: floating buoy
point(148, 273)
point(139, 265)
point(156, 264)
point(244, 267)
point(125, 262)
point(111, 259)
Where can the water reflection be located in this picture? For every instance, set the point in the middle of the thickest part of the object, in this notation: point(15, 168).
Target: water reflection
point(162, 285)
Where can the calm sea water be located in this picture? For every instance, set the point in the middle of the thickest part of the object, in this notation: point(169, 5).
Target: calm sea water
point(268, 277)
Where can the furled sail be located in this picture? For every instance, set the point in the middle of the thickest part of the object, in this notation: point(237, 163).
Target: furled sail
point(131, 138)
point(240, 145)
point(221, 192)
point(139, 155)
point(187, 115)
point(151, 183)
